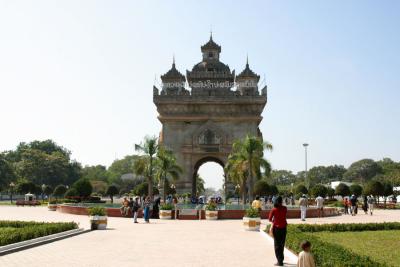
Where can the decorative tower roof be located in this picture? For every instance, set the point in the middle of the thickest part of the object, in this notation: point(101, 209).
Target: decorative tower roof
point(173, 74)
point(211, 46)
point(248, 73)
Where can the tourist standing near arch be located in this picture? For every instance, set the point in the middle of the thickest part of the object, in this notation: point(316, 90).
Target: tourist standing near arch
point(320, 206)
point(303, 203)
point(278, 218)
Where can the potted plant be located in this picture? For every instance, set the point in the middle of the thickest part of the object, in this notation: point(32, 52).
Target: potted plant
point(52, 205)
point(98, 218)
point(252, 220)
point(166, 211)
point(211, 211)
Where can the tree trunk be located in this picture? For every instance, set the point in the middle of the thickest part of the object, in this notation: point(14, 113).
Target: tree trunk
point(251, 181)
point(165, 188)
point(112, 200)
point(244, 193)
point(150, 178)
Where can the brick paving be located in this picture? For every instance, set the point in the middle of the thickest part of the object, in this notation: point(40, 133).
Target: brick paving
point(160, 243)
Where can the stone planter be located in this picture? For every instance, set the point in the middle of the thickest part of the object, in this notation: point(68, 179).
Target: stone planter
point(165, 214)
point(98, 222)
point(251, 224)
point(52, 207)
point(211, 214)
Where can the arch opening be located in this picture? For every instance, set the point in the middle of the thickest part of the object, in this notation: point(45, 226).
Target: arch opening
point(211, 170)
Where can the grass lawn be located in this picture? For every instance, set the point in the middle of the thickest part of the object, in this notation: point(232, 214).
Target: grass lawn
point(17, 231)
point(382, 246)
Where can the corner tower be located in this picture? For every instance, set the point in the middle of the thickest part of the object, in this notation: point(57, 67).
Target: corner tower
point(200, 122)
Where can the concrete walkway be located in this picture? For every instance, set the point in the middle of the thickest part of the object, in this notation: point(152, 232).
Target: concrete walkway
point(160, 243)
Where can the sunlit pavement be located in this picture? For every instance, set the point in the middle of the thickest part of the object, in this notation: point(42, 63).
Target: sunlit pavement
point(160, 243)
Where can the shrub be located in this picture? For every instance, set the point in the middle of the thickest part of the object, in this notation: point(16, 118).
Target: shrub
point(83, 187)
point(211, 206)
point(71, 193)
point(301, 189)
point(252, 213)
point(342, 190)
point(166, 206)
point(17, 231)
point(60, 190)
point(262, 188)
point(97, 211)
point(319, 190)
point(356, 189)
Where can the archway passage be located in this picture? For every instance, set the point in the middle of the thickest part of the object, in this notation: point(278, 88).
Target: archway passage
point(212, 172)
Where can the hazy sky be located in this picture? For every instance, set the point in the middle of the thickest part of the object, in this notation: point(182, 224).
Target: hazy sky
point(81, 73)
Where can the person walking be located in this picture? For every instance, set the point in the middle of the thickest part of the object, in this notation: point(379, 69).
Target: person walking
point(146, 206)
point(306, 259)
point(135, 209)
point(256, 204)
point(371, 202)
point(278, 218)
point(365, 205)
point(353, 202)
point(320, 206)
point(303, 203)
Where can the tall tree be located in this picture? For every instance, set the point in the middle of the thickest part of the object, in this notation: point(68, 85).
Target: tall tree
point(236, 170)
point(167, 169)
point(200, 189)
point(145, 164)
point(362, 171)
point(252, 149)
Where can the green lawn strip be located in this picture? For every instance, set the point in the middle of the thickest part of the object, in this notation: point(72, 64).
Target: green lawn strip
point(333, 254)
point(17, 231)
point(381, 246)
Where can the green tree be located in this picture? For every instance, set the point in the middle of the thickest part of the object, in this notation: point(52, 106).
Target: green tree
point(274, 190)
point(301, 189)
point(262, 188)
point(282, 177)
point(325, 174)
point(120, 167)
point(143, 189)
point(112, 190)
point(97, 172)
point(60, 190)
point(149, 148)
point(48, 190)
point(167, 169)
point(236, 171)
point(83, 187)
point(319, 190)
point(251, 150)
point(7, 174)
point(362, 171)
point(200, 189)
point(356, 189)
point(72, 193)
point(330, 192)
point(342, 190)
point(374, 188)
point(25, 186)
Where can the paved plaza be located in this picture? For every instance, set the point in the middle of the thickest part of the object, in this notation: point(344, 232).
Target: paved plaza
point(160, 243)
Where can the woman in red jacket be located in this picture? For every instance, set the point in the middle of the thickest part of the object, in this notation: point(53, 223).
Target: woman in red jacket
point(278, 218)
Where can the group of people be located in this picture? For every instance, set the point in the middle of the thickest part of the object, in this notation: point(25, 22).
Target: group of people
point(351, 205)
point(134, 205)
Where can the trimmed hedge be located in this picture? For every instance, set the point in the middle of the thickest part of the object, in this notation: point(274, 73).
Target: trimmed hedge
point(328, 254)
point(17, 231)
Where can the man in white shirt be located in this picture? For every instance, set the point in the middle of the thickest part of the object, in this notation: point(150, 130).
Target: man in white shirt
point(303, 203)
point(320, 206)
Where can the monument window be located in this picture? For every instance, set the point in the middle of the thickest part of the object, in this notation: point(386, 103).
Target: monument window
point(210, 54)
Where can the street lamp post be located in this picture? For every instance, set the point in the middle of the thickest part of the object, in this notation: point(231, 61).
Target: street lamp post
point(306, 174)
point(12, 185)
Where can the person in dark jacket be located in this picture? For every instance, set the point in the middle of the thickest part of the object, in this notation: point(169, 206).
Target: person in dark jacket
point(353, 201)
point(278, 218)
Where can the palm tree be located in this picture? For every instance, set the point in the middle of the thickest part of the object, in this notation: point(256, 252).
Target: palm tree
point(166, 168)
point(250, 150)
point(200, 185)
point(144, 165)
point(236, 170)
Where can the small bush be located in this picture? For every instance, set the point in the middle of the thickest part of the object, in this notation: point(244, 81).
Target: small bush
point(211, 206)
point(252, 213)
point(166, 206)
point(97, 211)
